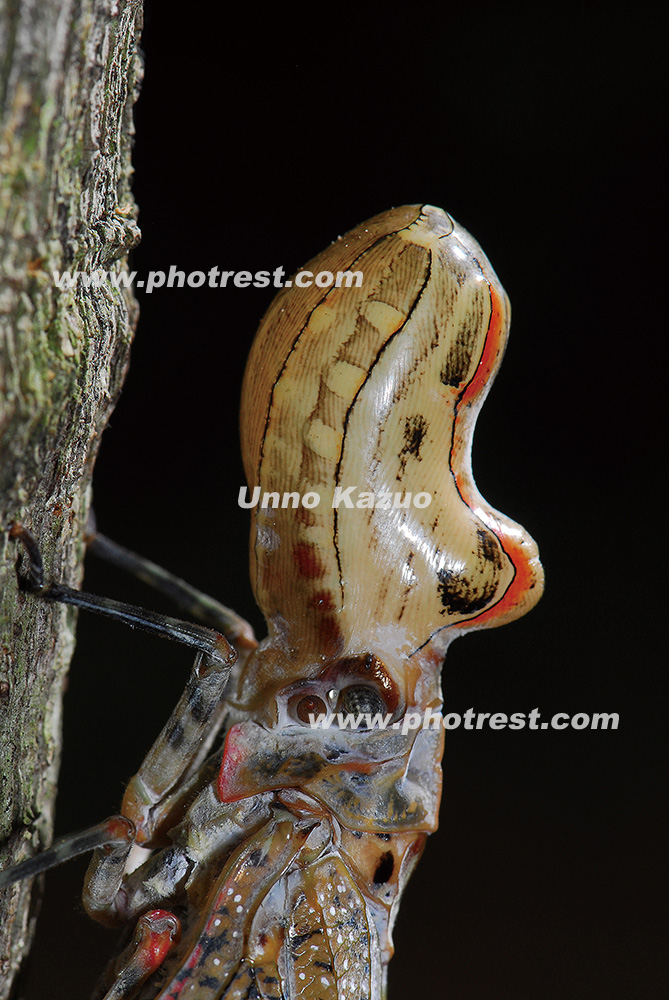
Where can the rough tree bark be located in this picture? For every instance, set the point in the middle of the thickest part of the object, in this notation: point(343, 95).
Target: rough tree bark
point(68, 79)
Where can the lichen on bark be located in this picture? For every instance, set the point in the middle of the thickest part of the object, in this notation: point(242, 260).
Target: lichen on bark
point(69, 75)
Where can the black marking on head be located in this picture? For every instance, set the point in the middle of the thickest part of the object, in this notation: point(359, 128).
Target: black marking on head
point(489, 548)
point(175, 736)
point(326, 966)
point(458, 594)
point(459, 597)
point(384, 868)
point(383, 836)
point(455, 368)
point(415, 429)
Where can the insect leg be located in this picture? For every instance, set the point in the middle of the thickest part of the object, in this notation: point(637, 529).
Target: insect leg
point(114, 835)
point(203, 639)
point(181, 747)
point(157, 932)
point(188, 599)
point(149, 801)
point(167, 778)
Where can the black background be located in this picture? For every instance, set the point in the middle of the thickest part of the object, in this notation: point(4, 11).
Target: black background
point(260, 138)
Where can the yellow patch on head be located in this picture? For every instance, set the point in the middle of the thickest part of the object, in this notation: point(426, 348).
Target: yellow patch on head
point(323, 440)
point(384, 317)
point(322, 318)
point(344, 379)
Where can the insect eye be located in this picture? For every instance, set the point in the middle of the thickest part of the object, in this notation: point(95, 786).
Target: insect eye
point(310, 705)
point(360, 699)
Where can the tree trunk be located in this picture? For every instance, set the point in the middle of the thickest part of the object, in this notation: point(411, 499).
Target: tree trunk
point(68, 79)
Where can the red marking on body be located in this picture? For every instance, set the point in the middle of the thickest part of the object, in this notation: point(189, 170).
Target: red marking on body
point(322, 600)
point(490, 353)
point(358, 766)
point(121, 828)
point(233, 758)
point(175, 988)
point(306, 559)
point(330, 638)
point(158, 931)
point(511, 544)
point(211, 930)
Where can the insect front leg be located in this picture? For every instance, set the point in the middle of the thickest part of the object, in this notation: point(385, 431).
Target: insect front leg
point(155, 793)
point(155, 797)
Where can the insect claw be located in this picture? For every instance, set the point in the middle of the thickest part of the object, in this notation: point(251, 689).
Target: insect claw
point(33, 580)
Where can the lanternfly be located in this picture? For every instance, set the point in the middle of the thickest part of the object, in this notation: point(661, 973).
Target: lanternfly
point(279, 851)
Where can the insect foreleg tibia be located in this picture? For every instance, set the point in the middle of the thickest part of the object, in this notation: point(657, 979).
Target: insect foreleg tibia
point(115, 836)
point(198, 637)
point(190, 601)
point(181, 747)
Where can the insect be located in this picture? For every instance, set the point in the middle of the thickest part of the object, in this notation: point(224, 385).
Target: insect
point(278, 858)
